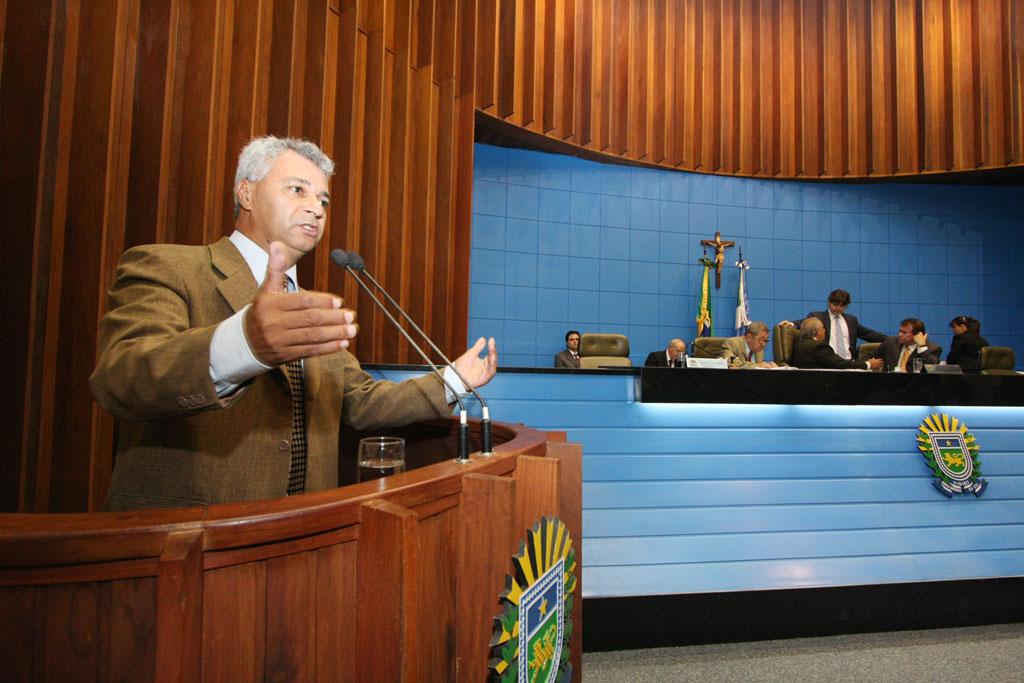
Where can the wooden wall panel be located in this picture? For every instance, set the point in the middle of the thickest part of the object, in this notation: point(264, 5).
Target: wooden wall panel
point(812, 92)
point(857, 66)
point(583, 101)
point(908, 87)
point(397, 130)
point(530, 27)
point(769, 99)
point(790, 37)
point(963, 79)
point(639, 124)
point(748, 144)
point(602, 109)
point(618, 79)
point(709, 80)
point(660, 89)
point(783, 88)
point(883, 88)
point(993, 54)
point(29, 125)
point(731, 86)
point(936, 76)
point(836, 88)
point(1017, 80)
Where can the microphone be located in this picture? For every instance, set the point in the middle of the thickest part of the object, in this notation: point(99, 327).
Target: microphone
point(355, 261)
point(344, 260)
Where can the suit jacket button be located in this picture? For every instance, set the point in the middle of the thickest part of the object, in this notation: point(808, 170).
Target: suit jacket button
point(284, 446)
point(182, 402)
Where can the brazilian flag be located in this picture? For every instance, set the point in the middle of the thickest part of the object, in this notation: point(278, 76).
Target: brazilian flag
point(705, 315)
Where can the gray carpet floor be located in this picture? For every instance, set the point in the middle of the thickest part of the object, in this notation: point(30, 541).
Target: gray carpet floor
point(965, 655)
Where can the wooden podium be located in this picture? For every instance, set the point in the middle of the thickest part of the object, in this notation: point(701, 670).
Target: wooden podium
point(397, 579)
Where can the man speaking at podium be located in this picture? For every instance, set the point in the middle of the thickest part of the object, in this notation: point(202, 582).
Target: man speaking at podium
point(229, 383)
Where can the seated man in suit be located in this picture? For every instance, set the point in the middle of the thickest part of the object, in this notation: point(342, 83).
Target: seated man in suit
point(811, 351)
point(747, 350)
point(676, 349)
point(911, 342)
point(570, 356)
point(842, 330)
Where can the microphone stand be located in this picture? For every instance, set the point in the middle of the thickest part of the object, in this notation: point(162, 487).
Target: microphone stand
point(341, 259)
point(356, 261)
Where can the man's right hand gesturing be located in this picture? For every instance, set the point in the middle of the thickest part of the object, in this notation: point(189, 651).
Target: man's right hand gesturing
point(283, 326)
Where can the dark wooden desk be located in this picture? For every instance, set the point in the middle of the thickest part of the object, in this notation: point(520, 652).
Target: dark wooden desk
point(826, 387)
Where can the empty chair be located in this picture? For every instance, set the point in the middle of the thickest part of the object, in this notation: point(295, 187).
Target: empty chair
point(997, 360)
point(603, 350)
point(708, 347)
point(866, 351)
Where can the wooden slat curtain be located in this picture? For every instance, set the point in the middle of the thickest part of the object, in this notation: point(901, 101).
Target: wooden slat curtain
point(120, 122)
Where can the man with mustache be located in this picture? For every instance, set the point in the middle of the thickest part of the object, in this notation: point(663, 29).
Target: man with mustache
point(229, 383)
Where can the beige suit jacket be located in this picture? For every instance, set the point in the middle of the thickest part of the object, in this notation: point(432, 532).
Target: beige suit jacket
point(178, 444)
point(734, 350)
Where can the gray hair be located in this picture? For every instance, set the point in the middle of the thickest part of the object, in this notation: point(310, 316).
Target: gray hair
point(259, 155)
point(809, 328)
point(756, 328)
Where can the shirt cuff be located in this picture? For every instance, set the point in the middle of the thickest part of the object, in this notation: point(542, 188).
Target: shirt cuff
point(453, 379)
point(232, 362)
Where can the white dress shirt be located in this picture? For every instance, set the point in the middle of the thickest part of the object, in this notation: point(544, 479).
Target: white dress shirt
point(839, 336)
point(232, 362)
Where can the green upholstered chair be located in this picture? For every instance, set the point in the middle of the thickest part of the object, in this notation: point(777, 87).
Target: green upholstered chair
point(603, 350)
point(865, 351)
point(783, 340)
point(997, 360)
point(707, 347)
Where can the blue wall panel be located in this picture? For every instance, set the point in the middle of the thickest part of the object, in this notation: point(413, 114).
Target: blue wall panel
point(632, 239)
point(703, 498)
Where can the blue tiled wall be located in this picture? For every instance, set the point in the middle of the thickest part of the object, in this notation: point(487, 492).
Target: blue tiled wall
point(561, 243)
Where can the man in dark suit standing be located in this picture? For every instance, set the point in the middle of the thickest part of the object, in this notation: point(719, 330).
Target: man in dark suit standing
point(570, 357)
point(811, 351)
point(676, 349)
point(842, 330)
point(910, 343)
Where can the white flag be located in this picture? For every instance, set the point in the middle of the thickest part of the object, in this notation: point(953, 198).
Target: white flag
point(742, 302)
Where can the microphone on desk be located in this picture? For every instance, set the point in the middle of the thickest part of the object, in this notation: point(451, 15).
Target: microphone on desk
point(356, 262)
point(353, 263)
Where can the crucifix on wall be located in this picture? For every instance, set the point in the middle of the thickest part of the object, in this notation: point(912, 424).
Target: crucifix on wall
point(720, 246)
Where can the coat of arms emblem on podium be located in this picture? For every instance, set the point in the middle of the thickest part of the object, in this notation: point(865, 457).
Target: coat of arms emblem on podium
point(531, 635)
point(952, 453)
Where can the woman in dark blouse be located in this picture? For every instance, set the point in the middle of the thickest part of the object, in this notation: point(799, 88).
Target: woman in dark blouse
point(967, 342)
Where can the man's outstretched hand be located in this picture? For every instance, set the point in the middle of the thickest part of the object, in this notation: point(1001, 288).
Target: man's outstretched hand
point(283, 326)
point(478, 371)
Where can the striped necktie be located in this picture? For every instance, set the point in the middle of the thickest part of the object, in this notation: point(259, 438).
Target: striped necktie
point(296, 383)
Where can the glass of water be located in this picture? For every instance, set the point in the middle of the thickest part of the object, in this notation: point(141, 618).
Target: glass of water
point(380, 456)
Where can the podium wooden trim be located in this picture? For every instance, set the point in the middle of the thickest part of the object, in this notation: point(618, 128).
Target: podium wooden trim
point(392, 580)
